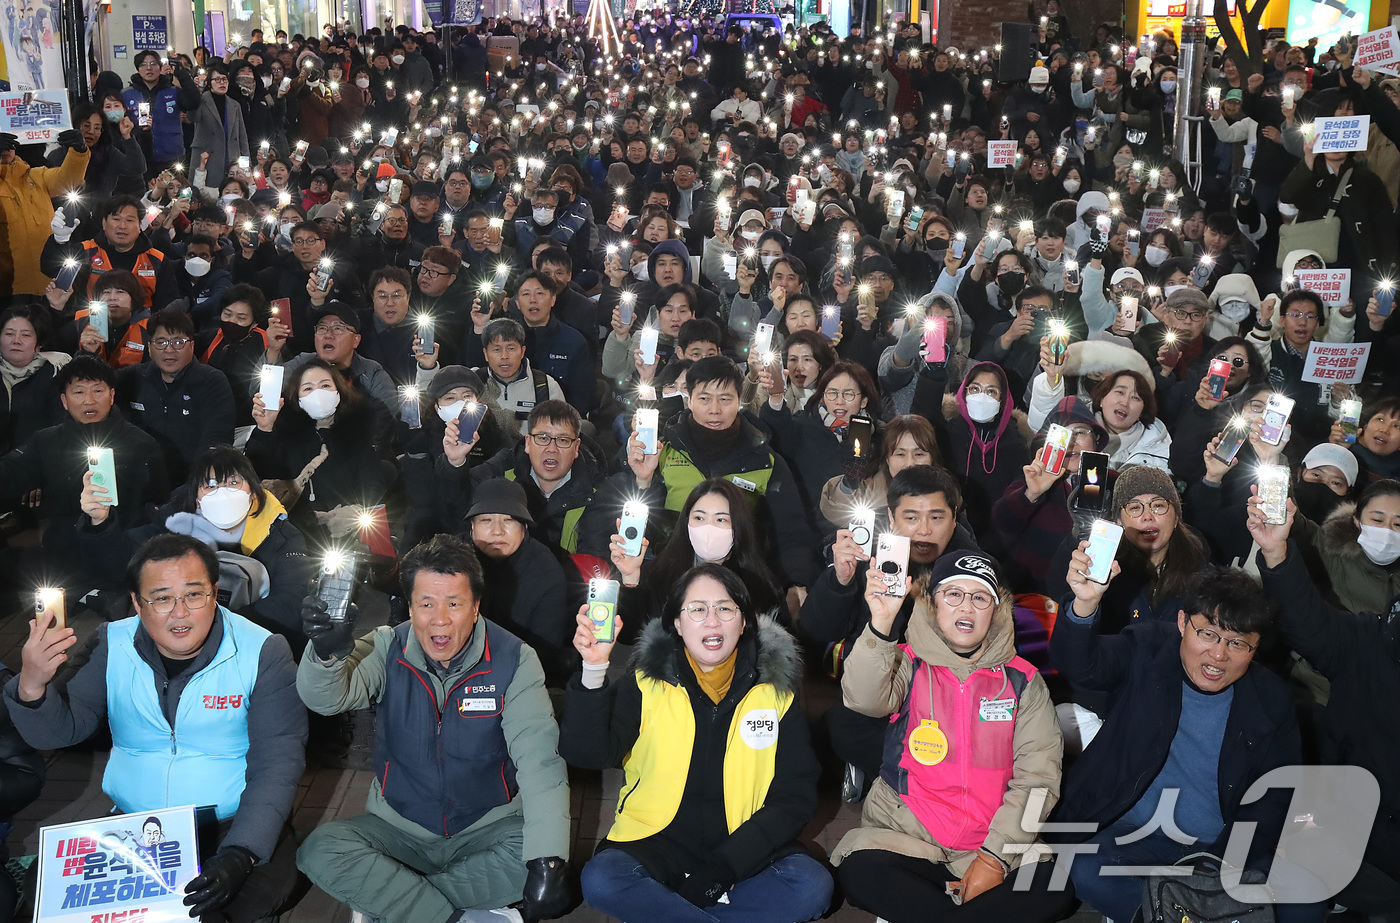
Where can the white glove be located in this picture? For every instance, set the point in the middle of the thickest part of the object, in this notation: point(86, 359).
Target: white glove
point(59, 225)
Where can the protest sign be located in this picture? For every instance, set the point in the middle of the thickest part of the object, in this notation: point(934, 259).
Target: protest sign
point(1336, 363)
point(1342, 133)
point(1001, 154)
point(1152, 219)
point(1379, 51)
point(129, 867)
point(35, 118)
point(1333, 286)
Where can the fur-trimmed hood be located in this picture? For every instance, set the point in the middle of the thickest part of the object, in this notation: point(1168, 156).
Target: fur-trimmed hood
point(1097, 358)
point(1340, 532)
point(774, 653)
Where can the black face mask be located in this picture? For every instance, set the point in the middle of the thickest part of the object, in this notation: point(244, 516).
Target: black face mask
point(234, 333)
point(1315, 501)
point(1011, 283)
point(936, 244)
point(669, 407)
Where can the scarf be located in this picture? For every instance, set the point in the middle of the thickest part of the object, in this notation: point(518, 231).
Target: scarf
point(710, 446)
point(13, 375)
point(1121, 445)
point(715, 683)
point(833, 422)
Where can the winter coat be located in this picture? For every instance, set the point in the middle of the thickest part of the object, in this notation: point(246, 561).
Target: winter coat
point(30, 404)
point(1360, 655)
point(813, 451)
point(601, 728)
point(223, 139)
point(878, 681)
point(1359, 584)
point(1139, 670)
point(26, 206)
point(526, 594)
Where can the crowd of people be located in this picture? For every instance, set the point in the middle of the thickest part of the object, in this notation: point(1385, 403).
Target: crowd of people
point(839, 359)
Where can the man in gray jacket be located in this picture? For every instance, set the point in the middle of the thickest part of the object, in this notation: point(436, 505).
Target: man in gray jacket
point(470, 804)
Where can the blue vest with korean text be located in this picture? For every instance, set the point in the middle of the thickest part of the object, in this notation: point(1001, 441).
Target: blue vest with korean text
point(203, 759)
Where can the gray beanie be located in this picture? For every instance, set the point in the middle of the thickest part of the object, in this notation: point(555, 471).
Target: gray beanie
point(1136, 480)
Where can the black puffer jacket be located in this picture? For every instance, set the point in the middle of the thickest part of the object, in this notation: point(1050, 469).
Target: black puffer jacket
point(600, 727)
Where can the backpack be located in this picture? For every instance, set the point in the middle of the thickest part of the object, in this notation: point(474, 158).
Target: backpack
point(1199, 897)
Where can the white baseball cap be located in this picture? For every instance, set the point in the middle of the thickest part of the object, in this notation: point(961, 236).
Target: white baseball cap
point(1325, 453)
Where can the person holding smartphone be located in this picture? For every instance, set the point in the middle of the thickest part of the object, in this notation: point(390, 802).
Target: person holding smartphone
point(679, 842)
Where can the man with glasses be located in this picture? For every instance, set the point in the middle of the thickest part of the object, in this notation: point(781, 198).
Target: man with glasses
point(1172, 347)
point(195, 695)
point(165, 91)
point(469, 807)
point(1195, 722)
point(390, 335)
point(922, 504)
point(335, 332)
point(489, 185)
point(293, 276)
point(443, 291)
point(1301, 314)
point(558, 476)
point(184, 405)
point(690, 202)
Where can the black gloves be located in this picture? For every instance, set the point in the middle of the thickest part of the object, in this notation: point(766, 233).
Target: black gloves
point(8, 142)
point(224, 873)
point(72, 138)
point(706, 885)
point(547, 893)
point(330, 639)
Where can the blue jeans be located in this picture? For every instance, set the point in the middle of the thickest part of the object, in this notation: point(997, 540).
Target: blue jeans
point(792, 890)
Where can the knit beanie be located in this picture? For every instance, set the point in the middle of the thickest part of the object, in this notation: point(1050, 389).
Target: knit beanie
point(1136, 480)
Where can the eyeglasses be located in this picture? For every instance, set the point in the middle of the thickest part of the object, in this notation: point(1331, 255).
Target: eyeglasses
point(1257, 406)
point(1081, 432)
point(193, 600)
point(390, 296)
point(1212, 637)
point(698, 612)
point(334, 329)
point(1293, 315)
point(1237, 361)
point(544, 439)
point(456, 183)
point(1157, 505)
point(171, 343)
point(841, 394)
point(430, 274)
point(954, 596)
point(1183, 314)
point(305, 241)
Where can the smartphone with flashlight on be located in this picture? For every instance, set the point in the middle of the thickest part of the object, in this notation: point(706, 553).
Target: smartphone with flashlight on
point(935, 340)
point(1104, 537)
point(102, 466)
point(50, 601)
point(632, 527)
point(335, 584)
point(648, 420)
point(1276, 414)
point(602, 608)
point(831, 321)
point(64, 280)
point(1232, 439)
point(469, 420)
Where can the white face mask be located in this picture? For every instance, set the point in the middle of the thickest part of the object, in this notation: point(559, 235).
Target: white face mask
point(397, 59)
point(752, 181)
point(982, 408)
point(266, 82)
point(1168, 86)
point(1381, 545)
point(539, 66)
point(197, 266)
point(285, 228)
point(1167, 292)
point(1156, 255)
point(320, 403)
point(768, 260)
point(1071, 186)
point(434, 131)
point(451, 411)
point(642, 272)
point(382, 185)
point(1287, 210)
point(749, 235)
point(711, 543)
point(225, 507)
point(229, 198)
point(544, 215)
point(362, 83)
point(1037, 88)
point(1235, 311)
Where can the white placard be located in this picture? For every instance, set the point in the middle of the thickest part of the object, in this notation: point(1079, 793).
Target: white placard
point(1341, 133)
point(1379, 51)
point(1001, 154)
point(1333, 286)
point(35, 118)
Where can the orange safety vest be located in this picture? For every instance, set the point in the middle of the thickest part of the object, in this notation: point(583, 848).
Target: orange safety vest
point(130, 350)
point(219, 338)
point(147, 266)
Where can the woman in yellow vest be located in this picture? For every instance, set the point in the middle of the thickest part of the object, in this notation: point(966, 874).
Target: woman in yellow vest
point(720, 774)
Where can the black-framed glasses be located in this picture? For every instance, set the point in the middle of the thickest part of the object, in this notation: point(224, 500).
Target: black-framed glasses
point(1211, 638)
point(1183, 314)
point(193, 600)
point(544, 439)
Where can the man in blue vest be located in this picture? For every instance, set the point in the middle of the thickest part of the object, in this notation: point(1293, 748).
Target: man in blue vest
point(469, 809)
point(165, 91)
point(195, 695)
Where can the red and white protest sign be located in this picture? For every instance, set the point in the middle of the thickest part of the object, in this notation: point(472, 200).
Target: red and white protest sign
point(1333, 286)
point(1379, 51)
point(1152, 219)
point(1001, 154)
point(1336, 363)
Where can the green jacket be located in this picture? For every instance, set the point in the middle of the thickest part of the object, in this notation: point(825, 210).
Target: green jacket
point(527, 721)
